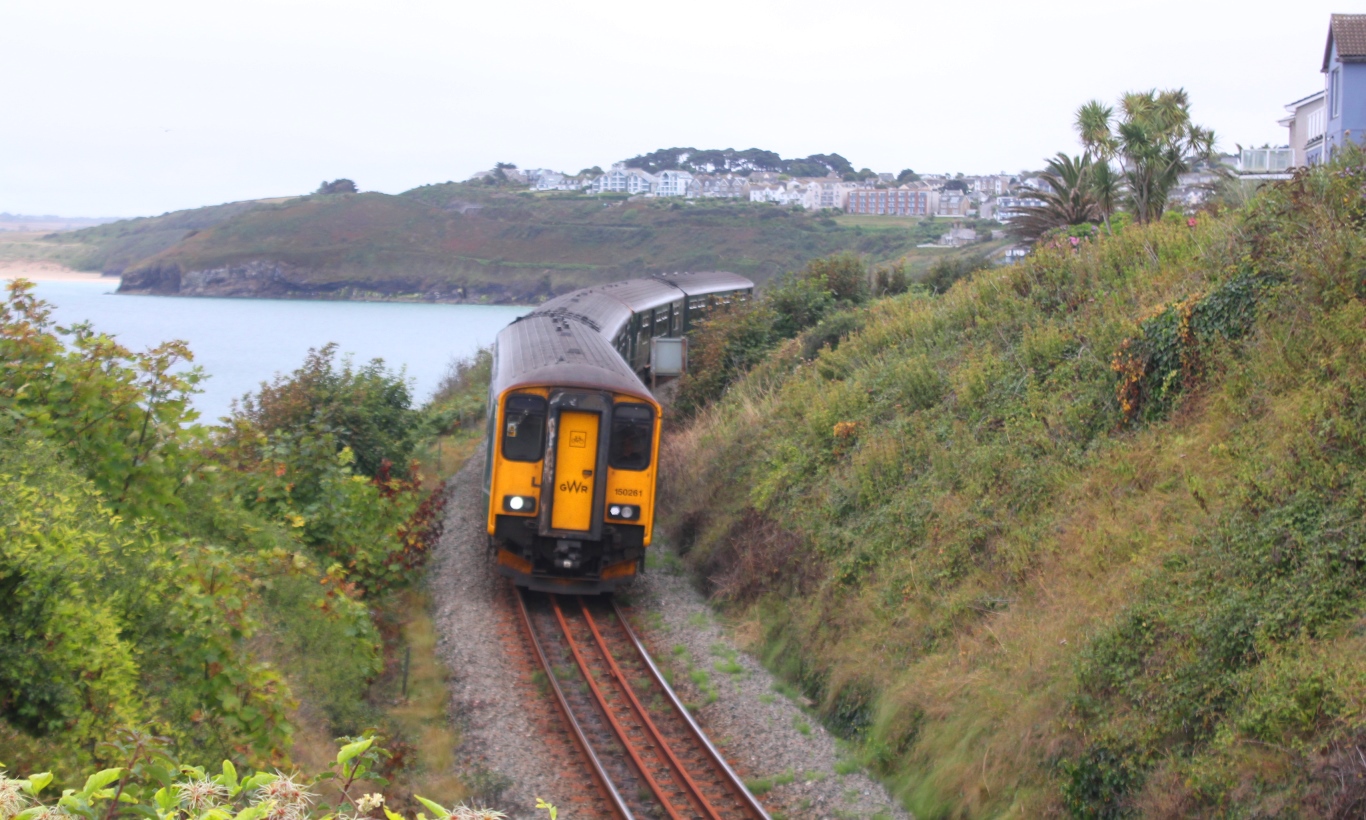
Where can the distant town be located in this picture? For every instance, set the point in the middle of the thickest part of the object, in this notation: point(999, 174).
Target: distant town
point(1000, 197)
point(1318, 124)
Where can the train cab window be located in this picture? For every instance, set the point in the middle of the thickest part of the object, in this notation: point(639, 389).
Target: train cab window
point(524, 427)
point(633, 432)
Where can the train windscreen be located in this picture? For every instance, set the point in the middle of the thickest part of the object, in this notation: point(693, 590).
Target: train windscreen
point(524, 428)
point(632, 435)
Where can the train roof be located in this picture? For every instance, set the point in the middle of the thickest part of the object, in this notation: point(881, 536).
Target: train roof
point(599, 310)
point(608, 308)
point(539, 350)
point(697, 283)
point(642, 294)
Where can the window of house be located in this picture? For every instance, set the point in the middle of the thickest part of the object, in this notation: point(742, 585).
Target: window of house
point(1335, 92)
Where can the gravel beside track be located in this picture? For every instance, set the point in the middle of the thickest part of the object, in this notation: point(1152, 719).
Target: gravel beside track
point(503, 738)
point(511, 734)
point(764, 735)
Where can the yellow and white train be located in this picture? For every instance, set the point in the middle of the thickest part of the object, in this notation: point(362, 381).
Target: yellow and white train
point(573, 432)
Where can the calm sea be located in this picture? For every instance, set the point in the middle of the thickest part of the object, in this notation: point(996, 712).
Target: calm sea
point(241, 342)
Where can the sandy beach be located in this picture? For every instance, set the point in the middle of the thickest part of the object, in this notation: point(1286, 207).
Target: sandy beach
point(40, 271)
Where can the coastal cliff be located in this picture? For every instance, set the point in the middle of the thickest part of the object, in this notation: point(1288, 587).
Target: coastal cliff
point(267, 279)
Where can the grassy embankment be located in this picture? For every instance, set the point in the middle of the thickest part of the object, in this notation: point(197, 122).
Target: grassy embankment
point(1084, 535)
point(495, 244)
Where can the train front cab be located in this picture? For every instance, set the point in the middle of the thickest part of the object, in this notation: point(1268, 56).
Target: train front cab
point(572, 487)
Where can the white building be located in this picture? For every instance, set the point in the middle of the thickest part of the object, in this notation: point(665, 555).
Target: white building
point(1308, 122)
point(674, 183)
point(623, 180)
point(1009, 207)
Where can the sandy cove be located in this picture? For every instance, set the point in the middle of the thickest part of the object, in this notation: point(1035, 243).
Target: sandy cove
point(49, 272)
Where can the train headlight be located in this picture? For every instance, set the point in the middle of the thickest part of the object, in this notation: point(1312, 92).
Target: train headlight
point(628, 512)
point(519, 503)
point(625, 512)
point(614, 510)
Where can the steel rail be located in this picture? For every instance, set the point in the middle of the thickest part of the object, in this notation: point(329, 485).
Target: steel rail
point(708, 809)
point(736, 783)
point(599, 774)
point(617, 728)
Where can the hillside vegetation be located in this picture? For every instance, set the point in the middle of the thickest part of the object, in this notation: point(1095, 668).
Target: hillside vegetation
point(1080, 536)
point(206, 591)
point(467, 242)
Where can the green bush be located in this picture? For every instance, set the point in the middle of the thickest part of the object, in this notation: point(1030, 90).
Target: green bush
point(366, 409)
point(159, 575)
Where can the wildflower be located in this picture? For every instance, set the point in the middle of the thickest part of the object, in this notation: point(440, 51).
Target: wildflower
point(198, 796)
point(285, 798)
point(463, 812)
point(368, 802)
point(12, 799)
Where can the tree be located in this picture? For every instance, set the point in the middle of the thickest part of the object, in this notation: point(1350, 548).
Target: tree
point(1152, 139)
point(337, 186)
point(907, 175)
point(1070, 200)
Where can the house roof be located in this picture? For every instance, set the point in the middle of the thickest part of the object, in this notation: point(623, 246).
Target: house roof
point(1349, 32)
point(1292, 106)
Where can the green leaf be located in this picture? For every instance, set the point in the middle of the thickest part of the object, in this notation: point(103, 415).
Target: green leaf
point(164, 799)
point(437, 811)
point(99, 780)
point(351, 750)
point(258, 780)
point(37, 782)
point(228, 779)
point(252, 812)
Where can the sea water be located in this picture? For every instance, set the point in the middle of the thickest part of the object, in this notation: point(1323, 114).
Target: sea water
point(241, 342)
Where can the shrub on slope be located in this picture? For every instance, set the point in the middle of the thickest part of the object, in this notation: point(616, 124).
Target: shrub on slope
point(1078, 535)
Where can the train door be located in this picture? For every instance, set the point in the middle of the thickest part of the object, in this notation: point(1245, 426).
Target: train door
point(576, 461)
point(575, 467)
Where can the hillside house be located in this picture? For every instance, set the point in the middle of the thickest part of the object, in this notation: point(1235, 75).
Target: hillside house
point(623, 180)
point(831, 192)
point(1007, 208)
point(1344, 70)
point(728, 186)
point(1307, 123)
point(953, 203)
point(674, 183)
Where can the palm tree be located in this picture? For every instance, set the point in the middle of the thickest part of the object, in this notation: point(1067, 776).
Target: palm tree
point(1070, 200)
point(1153, 140)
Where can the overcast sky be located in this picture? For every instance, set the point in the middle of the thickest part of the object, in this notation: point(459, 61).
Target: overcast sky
point(132, 108)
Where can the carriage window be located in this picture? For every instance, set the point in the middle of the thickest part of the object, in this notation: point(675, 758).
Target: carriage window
point(633, 431)
point(524, 428)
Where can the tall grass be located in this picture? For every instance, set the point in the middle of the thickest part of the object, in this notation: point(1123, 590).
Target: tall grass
point(1078, 536)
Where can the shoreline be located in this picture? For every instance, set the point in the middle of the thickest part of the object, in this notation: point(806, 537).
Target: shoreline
point(50, 272)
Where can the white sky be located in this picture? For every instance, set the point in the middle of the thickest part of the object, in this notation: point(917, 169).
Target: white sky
point(138, 107)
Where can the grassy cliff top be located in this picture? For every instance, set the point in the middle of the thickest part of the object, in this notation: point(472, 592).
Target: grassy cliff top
point(1081, 536)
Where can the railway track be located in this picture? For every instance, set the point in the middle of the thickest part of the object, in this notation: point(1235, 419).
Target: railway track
point(647, 754)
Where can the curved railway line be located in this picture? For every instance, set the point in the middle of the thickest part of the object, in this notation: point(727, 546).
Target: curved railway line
point(647, 754)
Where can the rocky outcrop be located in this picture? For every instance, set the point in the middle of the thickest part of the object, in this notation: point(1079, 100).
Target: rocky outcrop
point(265, 279)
